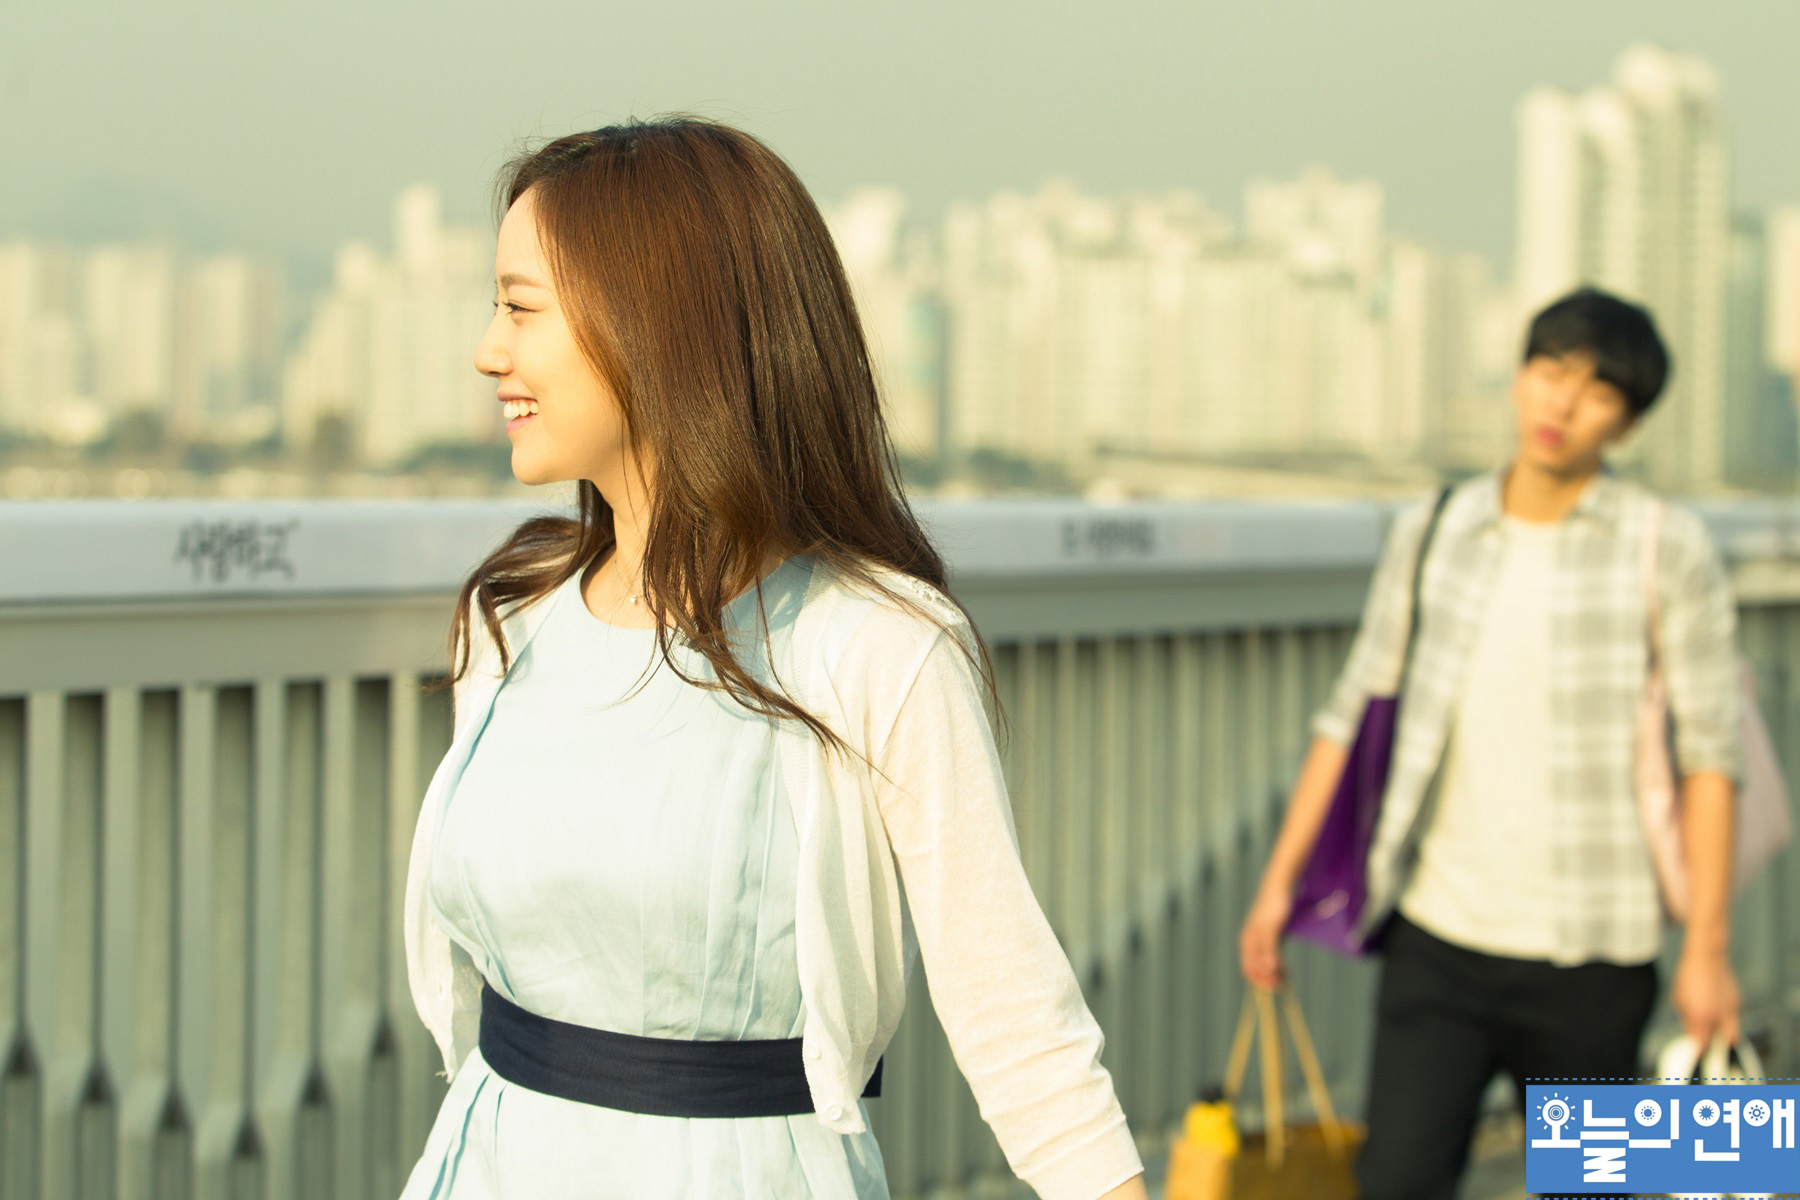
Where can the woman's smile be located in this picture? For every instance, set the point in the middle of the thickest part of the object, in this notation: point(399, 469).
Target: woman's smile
point(518, 410)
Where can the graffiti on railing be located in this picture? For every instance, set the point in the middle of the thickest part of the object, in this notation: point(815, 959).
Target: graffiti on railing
point(1108, 538)
point(224, 551)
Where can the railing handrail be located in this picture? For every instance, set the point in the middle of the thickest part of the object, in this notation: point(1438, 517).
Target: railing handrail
point(116, 551)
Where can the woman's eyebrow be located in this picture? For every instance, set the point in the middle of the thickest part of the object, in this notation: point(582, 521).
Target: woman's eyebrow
point(512, 279)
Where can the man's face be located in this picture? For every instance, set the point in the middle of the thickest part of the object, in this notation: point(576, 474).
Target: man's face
point(1567, 414)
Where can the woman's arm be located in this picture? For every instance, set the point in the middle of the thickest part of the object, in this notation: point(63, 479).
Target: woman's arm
point(1002, 987)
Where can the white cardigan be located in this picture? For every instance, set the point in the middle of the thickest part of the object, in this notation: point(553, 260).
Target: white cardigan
point(900, 690)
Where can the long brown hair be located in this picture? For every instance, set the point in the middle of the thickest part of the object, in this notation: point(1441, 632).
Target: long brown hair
point(702, 285)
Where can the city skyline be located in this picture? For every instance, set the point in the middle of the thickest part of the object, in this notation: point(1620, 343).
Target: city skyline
point(1081, 333)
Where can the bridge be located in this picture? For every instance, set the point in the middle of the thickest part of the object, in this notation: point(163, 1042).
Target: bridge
point(216, 727)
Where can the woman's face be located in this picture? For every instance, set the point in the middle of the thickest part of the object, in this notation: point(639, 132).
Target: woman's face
point(562, 418)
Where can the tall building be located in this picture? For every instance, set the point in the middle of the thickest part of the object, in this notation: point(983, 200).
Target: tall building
point(1624, 187)
point(1066, 322)
point(1325, 225)
point(1782, 307)
point(228, 350)
point(1328, 386)
point(91, 336)
point(128, 316)
point(1152, 326)
point(386, 360)
point(43, 388)
point(1436, 397)
point(894, 276)
point(1783, 303)
point(1483, 429)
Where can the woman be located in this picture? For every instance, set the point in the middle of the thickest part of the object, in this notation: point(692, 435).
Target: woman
point(707, 730)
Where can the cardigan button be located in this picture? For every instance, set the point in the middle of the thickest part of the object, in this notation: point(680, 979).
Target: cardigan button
point(815, 1054)
point(834, 1113)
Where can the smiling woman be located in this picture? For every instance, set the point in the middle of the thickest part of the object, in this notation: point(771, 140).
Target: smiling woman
point(723, 762)
point(533, 351)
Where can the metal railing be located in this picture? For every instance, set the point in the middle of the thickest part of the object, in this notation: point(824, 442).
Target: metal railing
point(214, 736)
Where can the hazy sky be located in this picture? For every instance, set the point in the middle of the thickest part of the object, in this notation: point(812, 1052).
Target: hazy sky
point(232, 124)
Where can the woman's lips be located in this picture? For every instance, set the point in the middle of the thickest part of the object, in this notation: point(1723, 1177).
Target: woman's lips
point(1546, 436)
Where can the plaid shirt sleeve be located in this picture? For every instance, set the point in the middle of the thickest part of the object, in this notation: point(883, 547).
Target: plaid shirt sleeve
point(1698, 630)
point(1373, 668)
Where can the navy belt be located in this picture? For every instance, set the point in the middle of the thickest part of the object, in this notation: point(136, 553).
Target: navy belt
point(660, 1077)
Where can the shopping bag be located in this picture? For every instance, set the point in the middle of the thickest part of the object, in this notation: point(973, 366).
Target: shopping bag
point(1682, 1061)
point(1329, 896)
point(1311, 1160)
point(1762, 819)
point(1328, 900)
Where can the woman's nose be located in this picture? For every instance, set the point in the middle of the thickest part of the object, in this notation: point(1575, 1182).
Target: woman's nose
point(491, 357)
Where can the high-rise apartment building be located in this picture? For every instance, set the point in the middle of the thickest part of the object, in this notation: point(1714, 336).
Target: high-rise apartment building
point(1761, 441)
point(1003, 281)
point(1325, 225)
point(1327, 377)
point(1624, 187)
point(228, 350)
point(128, 316)
point(88, 337)
point(1782, 310)
point(894, 277)
point(42, 375)
point(1154, 326)
point(387, 356)
point(1066, 322)
point(1440, 392)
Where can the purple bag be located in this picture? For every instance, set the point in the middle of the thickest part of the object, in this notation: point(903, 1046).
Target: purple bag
point(1329, 898)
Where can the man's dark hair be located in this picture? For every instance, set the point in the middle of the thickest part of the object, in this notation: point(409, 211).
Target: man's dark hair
point(1619, 336)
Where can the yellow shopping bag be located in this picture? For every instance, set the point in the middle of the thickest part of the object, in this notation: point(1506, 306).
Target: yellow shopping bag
point(1310, 1161)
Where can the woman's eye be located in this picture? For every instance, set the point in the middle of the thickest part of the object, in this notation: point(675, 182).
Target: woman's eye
point(510, 307)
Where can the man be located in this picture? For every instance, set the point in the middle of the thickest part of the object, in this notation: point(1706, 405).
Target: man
point(1521, 907)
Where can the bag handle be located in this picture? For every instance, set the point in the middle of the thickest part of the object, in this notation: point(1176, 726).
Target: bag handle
point(1684, 1059)
point(1719, 1053)
point(1259, 1010)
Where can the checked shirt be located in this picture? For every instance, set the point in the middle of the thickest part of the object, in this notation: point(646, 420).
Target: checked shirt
point(1606, 901)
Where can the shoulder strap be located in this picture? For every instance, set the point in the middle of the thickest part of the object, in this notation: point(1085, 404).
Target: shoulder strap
point(1418, 583)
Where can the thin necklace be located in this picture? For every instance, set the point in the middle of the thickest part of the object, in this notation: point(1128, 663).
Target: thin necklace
point(630, 597)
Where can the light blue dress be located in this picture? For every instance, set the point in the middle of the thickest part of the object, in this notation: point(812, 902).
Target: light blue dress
point(619, 853)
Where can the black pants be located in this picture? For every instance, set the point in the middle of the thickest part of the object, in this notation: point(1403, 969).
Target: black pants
point(1448, 1018)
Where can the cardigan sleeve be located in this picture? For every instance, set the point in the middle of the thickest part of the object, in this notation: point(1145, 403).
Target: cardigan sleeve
point(999, 981)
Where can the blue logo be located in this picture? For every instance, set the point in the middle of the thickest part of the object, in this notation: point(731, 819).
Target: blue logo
point(1593, 1139)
